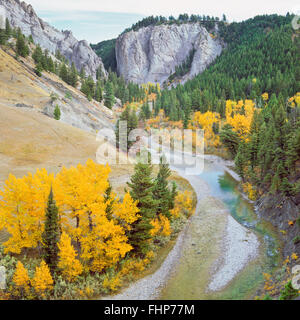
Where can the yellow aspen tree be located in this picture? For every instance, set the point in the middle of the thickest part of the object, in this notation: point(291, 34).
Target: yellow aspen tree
point(69, 265)
point(183, 203)
point(127, 210)
point(105, 245)
point(161, 226)
point(21, 278)
point(78, 191)
point(206, 121)
point(22, 209)
point(42, 280)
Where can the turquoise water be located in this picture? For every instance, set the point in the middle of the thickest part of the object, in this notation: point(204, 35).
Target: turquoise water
point(225, 188)
point(188, 281)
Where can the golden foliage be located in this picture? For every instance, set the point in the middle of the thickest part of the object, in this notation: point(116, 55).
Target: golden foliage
point(79, 193)
point(206, 121)
point(114, 283)
point(22, 209)
point(20, 277)
point(265, 96)
point(69, 265)
point(127, 210)
point(295, 100)
point(183, 203)
point(42, 280)
point(239, 115)
point(161, 226)
point(250, 191)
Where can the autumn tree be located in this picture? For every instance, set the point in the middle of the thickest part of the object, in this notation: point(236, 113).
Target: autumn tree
point(21, 278)
point(42, 280)
point(99, 233)
point(22, 209)
point(68, 264)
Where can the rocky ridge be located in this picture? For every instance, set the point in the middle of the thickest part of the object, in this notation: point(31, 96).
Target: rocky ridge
point(23, 16)
point(151, 54)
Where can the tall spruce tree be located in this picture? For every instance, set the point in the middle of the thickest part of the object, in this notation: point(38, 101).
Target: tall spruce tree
point(21, 46)
point(161, 190)
point(7, 29)
point(109, 201)
point(50, 236)
point(142, 185)
point(109, 95)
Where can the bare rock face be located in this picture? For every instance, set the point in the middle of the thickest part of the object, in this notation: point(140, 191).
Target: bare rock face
point(152, 53)
point(2, 278)
point(23, 16)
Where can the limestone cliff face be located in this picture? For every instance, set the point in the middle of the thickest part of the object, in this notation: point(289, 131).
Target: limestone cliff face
point(23, 16)
point(152, 53)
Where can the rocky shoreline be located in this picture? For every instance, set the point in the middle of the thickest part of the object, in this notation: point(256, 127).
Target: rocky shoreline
point(235, 245)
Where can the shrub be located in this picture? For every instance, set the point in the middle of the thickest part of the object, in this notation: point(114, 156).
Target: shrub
point(53, 96)
point(68, 95)
point(296, 239)
point(57, 113)
point(288, 293)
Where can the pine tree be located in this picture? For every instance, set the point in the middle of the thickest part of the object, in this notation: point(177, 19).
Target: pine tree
point(82, 73)
point(21, 46)
point(72, 77)
point(63, 74)
point(38, 69)
point(7, 29)
point(109, 95)
point(230, 139)
point(161, 191)
point(109, 201)
point(142, 185)
point(240, 160)
point(57, 113)
point(2, 37)
point(173, 195)
point(51, 234)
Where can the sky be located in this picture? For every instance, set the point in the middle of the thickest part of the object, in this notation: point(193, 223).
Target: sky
point(97, 20)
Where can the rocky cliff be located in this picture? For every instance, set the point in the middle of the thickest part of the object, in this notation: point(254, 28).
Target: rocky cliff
point(23, 16)
point(152, 53)
point(279, 211)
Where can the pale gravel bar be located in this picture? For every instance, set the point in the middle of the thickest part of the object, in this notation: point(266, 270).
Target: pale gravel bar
point(240, 246)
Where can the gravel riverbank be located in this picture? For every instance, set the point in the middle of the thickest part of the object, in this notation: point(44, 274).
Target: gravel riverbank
point(212, 239)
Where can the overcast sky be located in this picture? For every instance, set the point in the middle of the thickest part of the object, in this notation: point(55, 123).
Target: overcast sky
point(110, 17)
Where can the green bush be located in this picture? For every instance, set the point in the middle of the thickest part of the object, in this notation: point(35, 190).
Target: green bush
point(53, 96)
point(288, 293)
point(296, 239)
point(57, 113)
point(68, 95)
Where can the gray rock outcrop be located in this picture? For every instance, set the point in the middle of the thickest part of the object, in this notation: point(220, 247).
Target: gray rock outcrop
point(151, 54)
point(2, 278)
point(23, 16)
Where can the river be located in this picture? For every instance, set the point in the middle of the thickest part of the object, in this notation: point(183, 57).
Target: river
point(222, 252)
point(227, 247)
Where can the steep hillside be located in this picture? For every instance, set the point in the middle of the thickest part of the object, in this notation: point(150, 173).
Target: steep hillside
point(262, 56)
point(23, 16)
point(19, 86)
